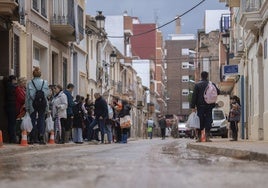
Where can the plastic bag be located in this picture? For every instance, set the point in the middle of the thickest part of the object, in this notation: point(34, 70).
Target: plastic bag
point(193, 121)
point(49, 124)
point(26, 124)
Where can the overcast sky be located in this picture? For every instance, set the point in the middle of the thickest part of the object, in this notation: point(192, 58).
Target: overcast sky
point(160, 11)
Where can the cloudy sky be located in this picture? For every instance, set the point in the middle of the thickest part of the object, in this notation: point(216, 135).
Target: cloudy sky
point(158, 11)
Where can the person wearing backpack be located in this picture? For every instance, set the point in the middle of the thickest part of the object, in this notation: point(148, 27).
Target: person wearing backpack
point(203, 101)
point(36, 105)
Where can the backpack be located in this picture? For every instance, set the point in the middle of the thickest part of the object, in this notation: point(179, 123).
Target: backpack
point(39, 101)
point(110, 112)
point(210, 94)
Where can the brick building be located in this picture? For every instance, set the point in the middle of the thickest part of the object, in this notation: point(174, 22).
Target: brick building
point(180, 59)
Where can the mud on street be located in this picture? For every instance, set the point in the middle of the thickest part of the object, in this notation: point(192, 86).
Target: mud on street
point(142, 163)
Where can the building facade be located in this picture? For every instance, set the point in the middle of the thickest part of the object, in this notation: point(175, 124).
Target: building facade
point(180, 71)
point(248, 39)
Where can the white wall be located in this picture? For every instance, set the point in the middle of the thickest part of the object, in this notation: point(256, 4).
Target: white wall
point(212, 19)
point(114, 26)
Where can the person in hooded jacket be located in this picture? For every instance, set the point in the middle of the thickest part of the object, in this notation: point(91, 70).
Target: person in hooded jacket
point(59, 106)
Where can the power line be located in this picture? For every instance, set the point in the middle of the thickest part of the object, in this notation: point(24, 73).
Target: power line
point(149, 31)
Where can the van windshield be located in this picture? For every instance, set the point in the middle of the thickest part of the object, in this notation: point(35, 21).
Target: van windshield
point(218, 115)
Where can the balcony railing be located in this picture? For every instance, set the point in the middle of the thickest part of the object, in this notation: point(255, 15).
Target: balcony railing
point(251, 5)
point(63, 21)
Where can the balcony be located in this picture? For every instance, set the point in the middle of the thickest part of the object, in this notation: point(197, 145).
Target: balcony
point(63, 22)
point(8, 7)
point(251, 17)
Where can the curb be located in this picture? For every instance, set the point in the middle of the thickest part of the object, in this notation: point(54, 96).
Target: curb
point(230, 152)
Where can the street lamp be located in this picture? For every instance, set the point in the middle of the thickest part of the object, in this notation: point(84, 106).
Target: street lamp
point(226, 43)
point(100, 20)
point(113, 58)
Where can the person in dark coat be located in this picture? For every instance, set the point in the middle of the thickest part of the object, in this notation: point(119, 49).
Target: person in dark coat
point(68, 92)
point(234, 116)
point(78, 120)
point(11, 107)
point(100, 113)
point(162, 125)
point(204, 110)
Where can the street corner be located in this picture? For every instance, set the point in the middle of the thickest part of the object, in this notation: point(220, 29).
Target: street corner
point(242, 150)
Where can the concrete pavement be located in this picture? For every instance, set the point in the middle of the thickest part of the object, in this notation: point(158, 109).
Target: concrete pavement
point(241, 149)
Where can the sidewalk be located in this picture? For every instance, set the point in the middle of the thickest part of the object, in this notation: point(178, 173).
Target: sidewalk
point(242, 149)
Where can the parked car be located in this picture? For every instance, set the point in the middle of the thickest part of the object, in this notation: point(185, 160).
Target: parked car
point(185, 131)
point(220, 123)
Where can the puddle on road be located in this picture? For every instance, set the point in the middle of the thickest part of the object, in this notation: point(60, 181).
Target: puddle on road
point(179, 152)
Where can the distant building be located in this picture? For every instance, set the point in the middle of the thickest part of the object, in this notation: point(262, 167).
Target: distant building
point(180, 70)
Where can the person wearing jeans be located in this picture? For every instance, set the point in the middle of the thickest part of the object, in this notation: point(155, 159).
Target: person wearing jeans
point(101, 114)
point(38, 118)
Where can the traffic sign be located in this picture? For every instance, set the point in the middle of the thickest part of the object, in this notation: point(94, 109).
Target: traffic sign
point(230, 70)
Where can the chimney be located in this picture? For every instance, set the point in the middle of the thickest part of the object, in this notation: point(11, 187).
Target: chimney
point(178, 26)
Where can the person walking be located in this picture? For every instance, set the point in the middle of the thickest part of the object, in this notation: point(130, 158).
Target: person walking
point(10, 107)
point(199, 104)
point(59, 106)
point(68, 92)
point(150, 126)
point(100, 113)
point(234, 116)
point(36, 104)
point(162, 125)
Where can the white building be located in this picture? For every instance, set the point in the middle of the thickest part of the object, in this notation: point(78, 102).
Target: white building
point(212, 19)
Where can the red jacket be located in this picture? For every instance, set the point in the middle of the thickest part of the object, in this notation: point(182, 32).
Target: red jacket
point(20, 98)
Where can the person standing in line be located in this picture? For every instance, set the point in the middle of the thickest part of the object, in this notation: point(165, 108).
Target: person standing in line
point(78, 120)
point(100, 113)
point(163, 126)
point(20, 103)
point(59, 106)
point(126, 107)
point(204, 110)
point(68, 92)
point(234, 116)
point(10, 107)
point(37, 113)
point(117, 108)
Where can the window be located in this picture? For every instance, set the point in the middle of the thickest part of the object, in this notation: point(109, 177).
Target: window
point(36, 56)
point(185, 105)
point(40, 6)
point(185, 78)
point(185, 65)
point(185, 92)
point(184, 51)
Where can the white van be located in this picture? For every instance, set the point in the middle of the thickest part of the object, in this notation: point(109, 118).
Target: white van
point(220, 123)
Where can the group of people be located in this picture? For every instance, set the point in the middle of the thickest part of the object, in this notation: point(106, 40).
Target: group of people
point(76, 119)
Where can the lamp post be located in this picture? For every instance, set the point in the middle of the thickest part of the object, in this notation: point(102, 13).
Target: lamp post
point(226, 43)
point(113, 58)
point(100, 20)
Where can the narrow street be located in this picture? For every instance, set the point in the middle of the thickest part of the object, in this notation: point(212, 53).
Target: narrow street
point(143, 163)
